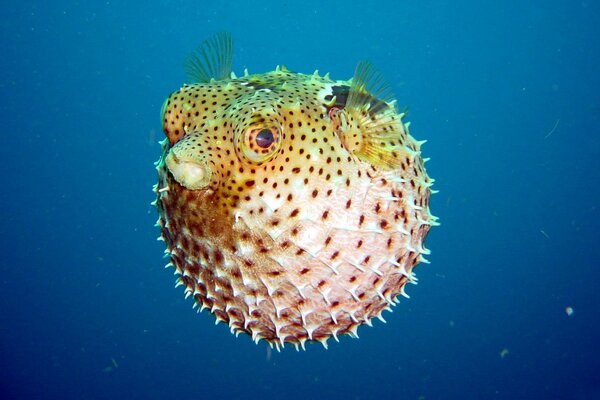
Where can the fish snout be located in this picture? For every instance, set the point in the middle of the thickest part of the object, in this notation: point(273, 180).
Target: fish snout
point(191, 172)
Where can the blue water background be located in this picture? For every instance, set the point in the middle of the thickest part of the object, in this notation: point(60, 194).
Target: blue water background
point(505, 92)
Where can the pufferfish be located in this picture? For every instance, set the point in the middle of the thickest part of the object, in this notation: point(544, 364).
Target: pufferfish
point(293, 207)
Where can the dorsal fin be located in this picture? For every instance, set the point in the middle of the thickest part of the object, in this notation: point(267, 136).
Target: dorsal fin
point(211, 60)
point(368, 83)
point(373, 130)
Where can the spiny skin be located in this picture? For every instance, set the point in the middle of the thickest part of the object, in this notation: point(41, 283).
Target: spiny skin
point(307, 244)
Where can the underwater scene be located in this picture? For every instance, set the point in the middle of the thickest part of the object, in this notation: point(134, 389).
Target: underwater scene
point(300, 200)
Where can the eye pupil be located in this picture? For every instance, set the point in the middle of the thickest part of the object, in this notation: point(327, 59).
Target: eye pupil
point(264, 138)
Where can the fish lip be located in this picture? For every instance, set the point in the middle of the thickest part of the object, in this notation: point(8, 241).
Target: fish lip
point(191, 174)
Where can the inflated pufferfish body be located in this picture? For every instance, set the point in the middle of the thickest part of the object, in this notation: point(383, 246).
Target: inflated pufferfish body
point(294, 207)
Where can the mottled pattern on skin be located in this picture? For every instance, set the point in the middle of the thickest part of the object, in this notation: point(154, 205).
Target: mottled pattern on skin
point(307, 238)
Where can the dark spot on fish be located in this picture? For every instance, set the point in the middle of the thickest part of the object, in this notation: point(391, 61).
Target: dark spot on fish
point(342, 92)
point(341, 96)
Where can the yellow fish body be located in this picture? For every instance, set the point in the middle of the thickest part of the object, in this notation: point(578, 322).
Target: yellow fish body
point(294, 207)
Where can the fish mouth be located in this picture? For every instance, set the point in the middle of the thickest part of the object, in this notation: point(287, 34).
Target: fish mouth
point(189, 173)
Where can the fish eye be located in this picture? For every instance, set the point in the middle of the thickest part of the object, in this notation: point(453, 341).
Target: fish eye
point(260, 143)
point(264, 138)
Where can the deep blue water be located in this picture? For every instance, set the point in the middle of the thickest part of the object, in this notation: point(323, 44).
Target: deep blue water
point(506, 93)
